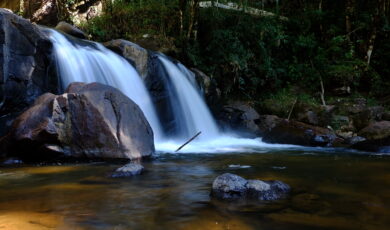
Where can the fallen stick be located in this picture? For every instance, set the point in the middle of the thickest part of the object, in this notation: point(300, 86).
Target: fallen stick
point(187, 142)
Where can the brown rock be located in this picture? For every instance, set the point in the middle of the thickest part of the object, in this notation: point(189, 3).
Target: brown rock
point(376, 130)
point(26, 66)
point(71, 30)
point(298, 133)
point(132, 52)
point(93, 121)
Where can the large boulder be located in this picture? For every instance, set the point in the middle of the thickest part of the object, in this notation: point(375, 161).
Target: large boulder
point(233, 187)
point(298, 133)
point(240, 116)
point(377, 137)
point(134, 53)
point(88, 121)
point(27, 69)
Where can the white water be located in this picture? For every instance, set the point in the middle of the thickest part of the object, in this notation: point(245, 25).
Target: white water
point(95, 63)
point(92, 62)
point(197, 116)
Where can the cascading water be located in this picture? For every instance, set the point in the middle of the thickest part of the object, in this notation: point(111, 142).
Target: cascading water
point(92, 62)
point(85, 61)
point(188, 103)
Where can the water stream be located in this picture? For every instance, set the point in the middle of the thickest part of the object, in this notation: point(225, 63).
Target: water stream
point(334, 190)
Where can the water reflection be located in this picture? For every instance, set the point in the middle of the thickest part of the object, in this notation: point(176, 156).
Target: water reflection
point(330, 191)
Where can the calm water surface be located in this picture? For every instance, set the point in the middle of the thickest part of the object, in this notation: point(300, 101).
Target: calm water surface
point(330, 191)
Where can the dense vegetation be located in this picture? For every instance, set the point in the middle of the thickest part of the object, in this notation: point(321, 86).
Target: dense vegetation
point(304, 49)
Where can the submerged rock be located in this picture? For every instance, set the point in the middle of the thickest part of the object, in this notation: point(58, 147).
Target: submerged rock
point(231, 187)
point(88, 121)
point(128, 170)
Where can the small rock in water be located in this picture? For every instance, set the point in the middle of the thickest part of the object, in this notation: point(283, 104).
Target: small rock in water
point(278, 167)
point(240, 166)
point(128, 170)
point(229, 187)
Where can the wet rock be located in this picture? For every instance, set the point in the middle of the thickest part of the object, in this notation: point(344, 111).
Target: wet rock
point(229, 186)
point(386, 116)
point(71, 30)
point(298, 133)
point(26, 66)
point(376, 130)
point(210, 90)
point(88, 121)
point(240, 116)
point(268, 191)
point(267, 122)
point(128, 170)
point(134, 53)
point(377, 136)
point(354, 140)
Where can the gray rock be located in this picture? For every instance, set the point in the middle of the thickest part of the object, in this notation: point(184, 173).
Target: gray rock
point(229, 186)
point(132, 52)
point(355, 140)
point(240, 116)
point(267, 191)
point(88, 121)
point(27, 67)
point(128, 170)
point(71, 30)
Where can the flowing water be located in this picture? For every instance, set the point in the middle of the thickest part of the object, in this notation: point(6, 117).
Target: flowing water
point(330, 190)
point(85, 61)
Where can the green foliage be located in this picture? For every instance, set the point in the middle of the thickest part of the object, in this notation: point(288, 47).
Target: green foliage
point(255, 57)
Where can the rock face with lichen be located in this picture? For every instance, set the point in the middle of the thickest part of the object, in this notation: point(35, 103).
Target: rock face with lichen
point(88, 121)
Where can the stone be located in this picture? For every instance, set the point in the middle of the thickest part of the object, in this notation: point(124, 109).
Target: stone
point(386, 116)
point(88, 121)
point(376, 130)
point(298, 133)
point(128, 170)
point(71, 30)
point(240, 116)
point(377, 135)
point(354, 140)
point(229, 186)
point(134, 53)
point(267, 122)
point(27, 66)
point(210, 90)
point(232, 187)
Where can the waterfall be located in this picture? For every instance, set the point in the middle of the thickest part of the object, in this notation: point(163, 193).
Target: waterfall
point(190, 111)
point(84, 61)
